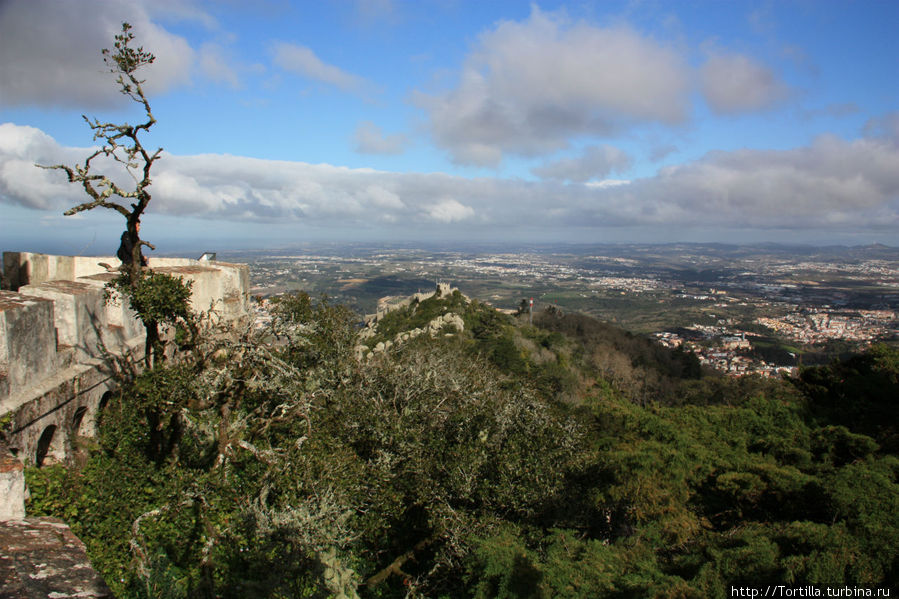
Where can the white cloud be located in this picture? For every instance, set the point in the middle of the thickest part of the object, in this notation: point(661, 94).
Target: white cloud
point(384, 198)
point(831, 185)
point(22, 183)
point(734, 83)
point(594, 162)
point(831, 182)
point(50, 52)
point(528, 87)
point(607, 183)
point(181, 10)
point(303, 61)
point(370, 139)
point(217, 67)
point(449, 211)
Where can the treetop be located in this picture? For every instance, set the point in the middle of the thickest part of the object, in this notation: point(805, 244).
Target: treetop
point(126, 59)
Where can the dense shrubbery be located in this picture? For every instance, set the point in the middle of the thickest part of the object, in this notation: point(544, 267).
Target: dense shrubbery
point(567, 459)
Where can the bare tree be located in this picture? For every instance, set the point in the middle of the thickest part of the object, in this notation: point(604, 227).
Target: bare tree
point(158, 298)
point(122, 144)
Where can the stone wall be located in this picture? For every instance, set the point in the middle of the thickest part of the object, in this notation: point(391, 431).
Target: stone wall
point(12, 486)
point(389, 304)
point(39, 557)
point(58, 333)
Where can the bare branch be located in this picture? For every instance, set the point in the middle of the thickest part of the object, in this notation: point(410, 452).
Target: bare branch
point(121, 144)
point(121, 147)
point(396, 565)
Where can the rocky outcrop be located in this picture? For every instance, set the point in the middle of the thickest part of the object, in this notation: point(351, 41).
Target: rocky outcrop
point(389, 304)
point(443, 323)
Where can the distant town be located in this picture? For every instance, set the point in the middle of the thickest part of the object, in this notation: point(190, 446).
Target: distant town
point(760, 310)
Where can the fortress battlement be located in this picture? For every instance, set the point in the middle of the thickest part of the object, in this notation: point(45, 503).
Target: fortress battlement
point(57, 332)
point(389, 304)
point(57, 336)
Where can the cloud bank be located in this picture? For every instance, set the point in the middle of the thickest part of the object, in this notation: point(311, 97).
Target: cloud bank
point(832, 185)
point(527, 87)
point(303, 61)
point(534, 87)
point(50, 52)
point(594, 163)
point(733, 83)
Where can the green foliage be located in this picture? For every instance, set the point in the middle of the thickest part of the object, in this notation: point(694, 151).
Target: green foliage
point(126, 59)
point(158, 298)
point(292, 309)
point(860, 392)
point(511, 461)
point(5, 422)
point(315, 335)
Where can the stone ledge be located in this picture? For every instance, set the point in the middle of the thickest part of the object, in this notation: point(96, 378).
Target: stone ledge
point(41, 557)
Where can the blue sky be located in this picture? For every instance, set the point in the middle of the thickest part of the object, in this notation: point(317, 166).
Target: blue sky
point(448, 120)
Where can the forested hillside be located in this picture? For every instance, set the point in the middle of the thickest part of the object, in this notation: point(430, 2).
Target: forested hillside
point(564, 459)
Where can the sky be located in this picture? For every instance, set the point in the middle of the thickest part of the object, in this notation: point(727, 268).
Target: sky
point(636, 121)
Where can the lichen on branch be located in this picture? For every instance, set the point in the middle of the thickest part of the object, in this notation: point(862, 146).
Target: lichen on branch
point(121, 144)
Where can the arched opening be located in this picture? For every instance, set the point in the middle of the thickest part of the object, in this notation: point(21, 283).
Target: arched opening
point(101, 407)
point(78, 421)
point(49, 448)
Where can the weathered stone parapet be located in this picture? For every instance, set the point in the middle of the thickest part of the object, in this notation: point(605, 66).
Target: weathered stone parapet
point(22, 268)
point(122, 322)
point(217, 288)
point(12, 486)
point(27, 343)
point(227, 288)
point(41, 557)
point(79, 314)
point(57, 333)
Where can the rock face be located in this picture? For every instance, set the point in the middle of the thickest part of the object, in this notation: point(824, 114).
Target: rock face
point(40, 557)
point(447, 320)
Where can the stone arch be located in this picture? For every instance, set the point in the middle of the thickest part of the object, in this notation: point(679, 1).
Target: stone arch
point(101, 407)
point(78, 424)
point(50, 448)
